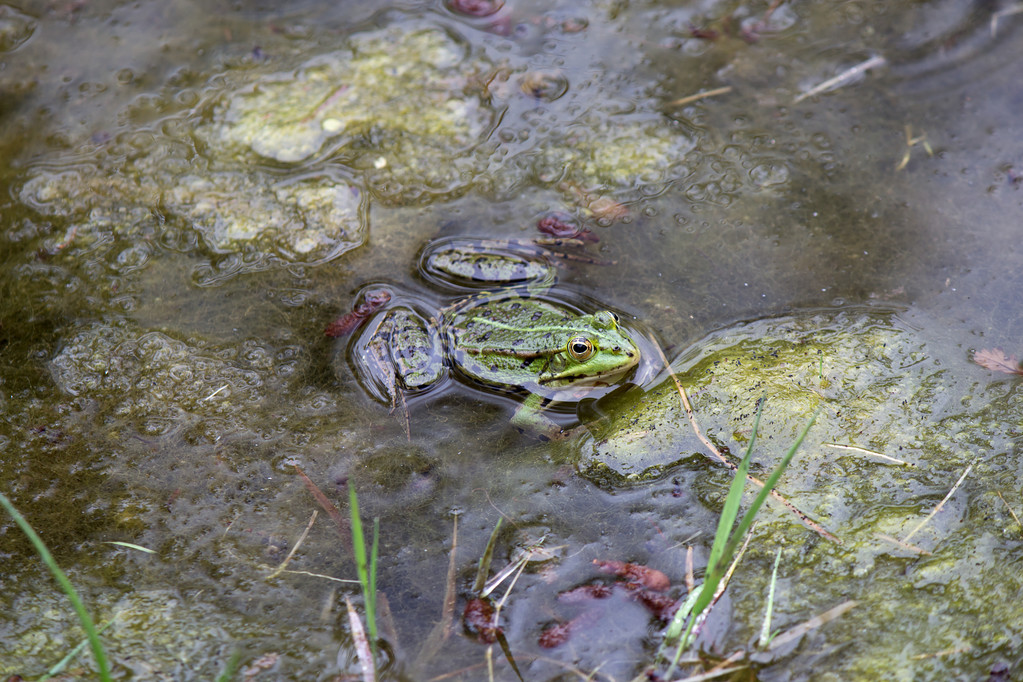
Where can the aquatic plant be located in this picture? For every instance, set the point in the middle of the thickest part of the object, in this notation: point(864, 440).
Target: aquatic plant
point(83, 615)
point(726, 542)
point(366, 566)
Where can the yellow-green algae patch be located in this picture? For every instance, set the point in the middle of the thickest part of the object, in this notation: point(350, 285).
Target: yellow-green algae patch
point(154, 384)
point(390, 83)
point(903, 416)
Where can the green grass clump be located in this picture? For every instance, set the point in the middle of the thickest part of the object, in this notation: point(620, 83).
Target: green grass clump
point(365, 566)
point(83, 616)
point(726, 542)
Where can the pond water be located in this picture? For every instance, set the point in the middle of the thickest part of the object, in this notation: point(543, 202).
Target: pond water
point(193, 192)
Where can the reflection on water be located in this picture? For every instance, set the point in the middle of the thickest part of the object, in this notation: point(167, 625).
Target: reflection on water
point(193, 193)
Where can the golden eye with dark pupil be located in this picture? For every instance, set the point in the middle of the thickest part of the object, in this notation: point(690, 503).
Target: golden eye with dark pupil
point(580, 348)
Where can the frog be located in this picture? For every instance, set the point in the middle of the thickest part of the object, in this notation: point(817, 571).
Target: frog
point(501, 329)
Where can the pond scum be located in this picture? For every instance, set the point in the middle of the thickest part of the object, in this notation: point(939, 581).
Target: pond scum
point(481, 617)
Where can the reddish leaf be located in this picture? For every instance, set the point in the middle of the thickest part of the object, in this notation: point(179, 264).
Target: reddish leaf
point(475, 8)
point(703, 33)
point(555, 635)
point(996, 360)
point(647, 577)
point(585, 593)
point(349, 322)
point(478, 619)
point(343, 531)
point(661, 605)
point(562, 227)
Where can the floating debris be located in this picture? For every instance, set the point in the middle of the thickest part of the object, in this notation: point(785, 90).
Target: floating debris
point(844, 78)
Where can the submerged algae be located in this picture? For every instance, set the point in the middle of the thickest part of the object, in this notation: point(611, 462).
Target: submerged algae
point(902, 418)
point(870, 374)
point(386, 85)
point(156, 383)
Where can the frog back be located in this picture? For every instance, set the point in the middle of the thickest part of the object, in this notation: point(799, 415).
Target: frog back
point(519, 341)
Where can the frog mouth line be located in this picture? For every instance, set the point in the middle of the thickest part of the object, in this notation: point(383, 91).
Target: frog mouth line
point(602, 379)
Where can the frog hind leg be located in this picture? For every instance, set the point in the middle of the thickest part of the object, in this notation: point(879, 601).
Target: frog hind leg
point(379, 357)
point(529, 418)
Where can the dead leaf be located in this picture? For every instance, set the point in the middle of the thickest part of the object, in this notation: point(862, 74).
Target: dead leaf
point(996, 360)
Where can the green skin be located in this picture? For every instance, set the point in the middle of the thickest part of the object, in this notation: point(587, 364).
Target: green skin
point(509, 340)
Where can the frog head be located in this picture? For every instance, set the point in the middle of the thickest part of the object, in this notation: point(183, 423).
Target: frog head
point(596, 351)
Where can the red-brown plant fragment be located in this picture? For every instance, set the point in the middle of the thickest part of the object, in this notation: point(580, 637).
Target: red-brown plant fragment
point(647, 577)
point(478, 619)
point(349, 322)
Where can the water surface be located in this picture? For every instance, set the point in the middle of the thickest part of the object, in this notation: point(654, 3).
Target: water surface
point(192, 192)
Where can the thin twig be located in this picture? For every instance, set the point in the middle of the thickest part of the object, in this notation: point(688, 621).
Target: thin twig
point(320, 575)
point(722, 586)
point(1015, 9)
point(843, 78)
point(815, 622)
point(942, 503)
point(865, 451)
point(689, 99)
point(1010, 510)
point(691, 415)
point(904, 545)
point(301, 539)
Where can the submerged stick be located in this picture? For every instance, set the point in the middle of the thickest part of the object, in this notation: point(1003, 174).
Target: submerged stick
point(942, 503)
point(689, 99)
point(301, 539)
point(843, 78)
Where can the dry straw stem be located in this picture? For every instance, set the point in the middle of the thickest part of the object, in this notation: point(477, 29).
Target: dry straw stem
point(691, 415)
point(904, 545)
point(872, 453)
point(946, 652)
point(361, 644)
point(1008, 11)
point(700, 95)
point(942, 503)
point(1010, 510)
point(843, 78)
point(301, 539)
point(815, 622)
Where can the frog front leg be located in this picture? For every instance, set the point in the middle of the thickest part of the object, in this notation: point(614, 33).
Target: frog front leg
point(530, 418)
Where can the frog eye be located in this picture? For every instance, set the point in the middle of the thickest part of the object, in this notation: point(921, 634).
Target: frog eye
point(580, 348)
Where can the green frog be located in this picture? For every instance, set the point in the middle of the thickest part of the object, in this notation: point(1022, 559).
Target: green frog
point(513, 338)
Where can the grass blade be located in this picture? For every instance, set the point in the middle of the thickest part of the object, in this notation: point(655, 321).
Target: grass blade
point(83, 616)
point(483, 566)
point(363, 565)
